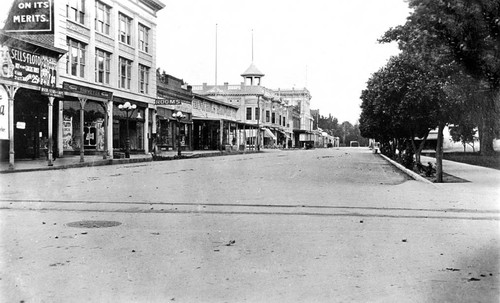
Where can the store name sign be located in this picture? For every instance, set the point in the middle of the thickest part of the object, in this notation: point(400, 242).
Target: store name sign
point(75, 88)
point(168, 102)
point(30, 16)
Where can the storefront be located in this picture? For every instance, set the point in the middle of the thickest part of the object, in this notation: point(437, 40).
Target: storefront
point(167, 128)
point(215, 126)
point(129, 125)
point(85, 120)
point(28, 114)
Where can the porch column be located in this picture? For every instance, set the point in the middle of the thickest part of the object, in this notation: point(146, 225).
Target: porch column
point(221, 137)
point(60, 150)
point(244, 137)
point(51, 125)
point(83, 101)
point(109, 129)
point(11, 92)
point(146, 131)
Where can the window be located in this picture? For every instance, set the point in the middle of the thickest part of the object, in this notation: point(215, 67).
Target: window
point(102, 66)
point(257, 116)
point(249, 113)
point(125, 29)
point(124, 73)
point(268, 116)
point(273, 118)
point(284, 121)
point(279, 120)
point(75, 11)
point(143, 38)
point(102, 18)
point(75, 58)
point(143, 79)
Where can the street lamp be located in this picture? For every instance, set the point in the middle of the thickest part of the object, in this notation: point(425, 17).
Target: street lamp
point(129, 110)
point(178, 116)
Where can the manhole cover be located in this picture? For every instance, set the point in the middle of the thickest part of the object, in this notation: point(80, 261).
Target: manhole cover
point(93, 224)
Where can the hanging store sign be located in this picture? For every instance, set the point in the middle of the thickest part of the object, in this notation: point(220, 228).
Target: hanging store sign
point(168, 102)
point(27, 67)
point(4, 114)
point(27, 16)
point(52, 92)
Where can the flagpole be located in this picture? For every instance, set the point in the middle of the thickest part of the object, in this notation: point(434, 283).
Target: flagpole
point(216, 59)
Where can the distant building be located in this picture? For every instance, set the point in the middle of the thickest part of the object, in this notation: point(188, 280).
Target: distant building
point(282, 117)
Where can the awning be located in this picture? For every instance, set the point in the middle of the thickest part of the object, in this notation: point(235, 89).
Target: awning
point(268, 133)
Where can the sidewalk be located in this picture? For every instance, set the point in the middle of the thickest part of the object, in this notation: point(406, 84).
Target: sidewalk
point(468, 172)
point(73, 161)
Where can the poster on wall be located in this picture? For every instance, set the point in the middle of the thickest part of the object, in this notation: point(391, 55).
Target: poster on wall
point(68, 133)
point(28, 67)
point(4, 114)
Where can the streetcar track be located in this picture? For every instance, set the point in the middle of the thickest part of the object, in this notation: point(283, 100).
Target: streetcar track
point(359, 215)
point(452, 210)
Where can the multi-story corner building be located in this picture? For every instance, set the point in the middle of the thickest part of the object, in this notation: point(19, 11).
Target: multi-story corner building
point(105, 57)
point(261, 111)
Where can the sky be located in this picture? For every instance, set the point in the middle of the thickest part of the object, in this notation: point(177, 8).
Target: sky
point(328, 46)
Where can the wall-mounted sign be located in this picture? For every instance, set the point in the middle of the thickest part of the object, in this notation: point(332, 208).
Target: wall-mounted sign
point(168, 102)
point(88, 91)
point(52, 92)
point(4, 114)
point(29, 16)
point(28, 67)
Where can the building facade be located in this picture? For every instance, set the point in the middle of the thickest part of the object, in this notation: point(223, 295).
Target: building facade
point(106, 58)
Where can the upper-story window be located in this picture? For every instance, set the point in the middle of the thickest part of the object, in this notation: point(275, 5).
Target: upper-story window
point(102, 19)
point(257, 116)
point(273, 118)
point(143, 79)
point(75, 58)
point(102, 66)
point(143, 38)
point(268, 116)
point(124, 73)
point(284, 121)
point(125, 29)
point(75, 11)
point(249, 113)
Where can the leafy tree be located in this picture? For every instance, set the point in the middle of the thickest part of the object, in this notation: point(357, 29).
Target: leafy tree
point(468, 31)
point(463, 133)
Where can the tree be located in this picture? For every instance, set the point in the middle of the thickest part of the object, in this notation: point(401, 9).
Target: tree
point(469, 32)
point(463, 133)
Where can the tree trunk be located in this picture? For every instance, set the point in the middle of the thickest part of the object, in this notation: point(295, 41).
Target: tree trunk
point(418, 151)
point(489, 121)
point(439, 154)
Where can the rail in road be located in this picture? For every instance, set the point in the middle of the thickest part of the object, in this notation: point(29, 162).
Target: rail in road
point(250, 209)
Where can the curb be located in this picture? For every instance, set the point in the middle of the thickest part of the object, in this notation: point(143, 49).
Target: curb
point(126, 161)
point(408, 172)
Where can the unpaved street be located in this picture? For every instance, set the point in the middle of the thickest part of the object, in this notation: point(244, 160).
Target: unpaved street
point(327, 225)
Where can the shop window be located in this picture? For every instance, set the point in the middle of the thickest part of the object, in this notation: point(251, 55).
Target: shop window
point(102, 18)
point(124, 73)
point(125, 29)
point(102, 66)
point(143, 79)
point(143, 38)
point(75, 58)
point(75, 11)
